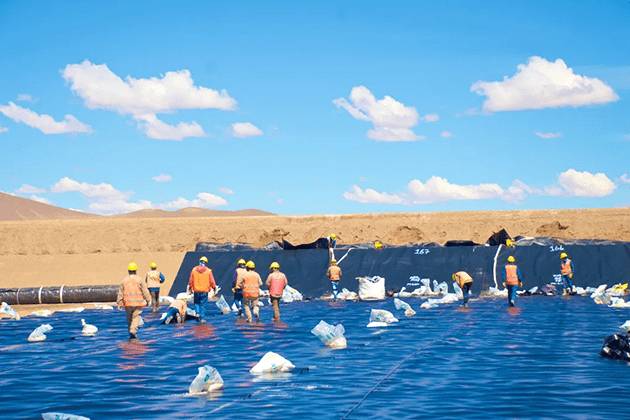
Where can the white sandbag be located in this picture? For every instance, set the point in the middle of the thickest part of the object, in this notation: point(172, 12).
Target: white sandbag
point(403, 293)
point(371, 288)
point(260, 304)
point(291, 295)
point(533, 290)
point(207, 380)
point(603, 299)
point(166, 300)
point(446, 299)
point(377, 324)
point(223, 305)
point(625, 326)
point(88, 330)
point(39, 333)
point(443, 288)
point(6, 309)
point(331, 336)
point(458, 291)
point(62, 416)
point(495, 292)
point(78, 309)
point(234, 307)
point(214, 292)
point(347, 295)
point(427, 305)
point(188, 297)
point(381, 315)
point(41, 313)
point(104, 307)
point(617, 302)
point(272, 363)
point(600, 290)
point(400, 305)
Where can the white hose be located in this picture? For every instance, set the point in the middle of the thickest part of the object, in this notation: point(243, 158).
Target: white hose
point(494, 267)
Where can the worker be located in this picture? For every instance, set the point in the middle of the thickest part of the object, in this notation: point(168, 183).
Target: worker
point(378, 245)
point(566, 271)
point(201, 282)
point(512, 279)
point(276, 282)
point(177, 311)
point(154, 279)
point(334, 275)
point(332, 243)
point(250, 283)
point(464, 281)
point(238, 293)
point(133, 295)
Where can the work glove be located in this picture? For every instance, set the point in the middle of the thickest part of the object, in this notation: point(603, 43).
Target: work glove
point(571, 276)
point(504, 284)
point(520, 284)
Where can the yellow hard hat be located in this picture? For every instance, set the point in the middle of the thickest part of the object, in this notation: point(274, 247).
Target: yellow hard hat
point(132, 266)
point(333, 262)
point(454, 276)
point(511, 259)
point(203, 260)
point(274, 265)
point(250, 264)
point(509, 243)
point(153, 265)
point(241, 262)
point(333, 236)
point(563, 255)
point(378, 244)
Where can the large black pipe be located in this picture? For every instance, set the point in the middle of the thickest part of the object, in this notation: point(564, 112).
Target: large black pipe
point(58, 294)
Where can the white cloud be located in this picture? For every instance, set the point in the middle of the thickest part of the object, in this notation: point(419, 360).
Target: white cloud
point(43, 122)
point(100, 88)
point(3, 129)
point(204, 199)
point(369, 195)
point(245, 129)
point(446, 134)
point(162, 178)
point(40, 199)
point(440, 189)
point(582, 184)
point(548, 135)
point(29, 189)
point(625, 179)
point(391, 120)
point(226, 191)
point(25, 97)
point(431, 118)
point(543, 84)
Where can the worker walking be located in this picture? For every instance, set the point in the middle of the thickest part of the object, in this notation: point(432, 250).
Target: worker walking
point(334, 275)
point(465, 282)
point(200, 283)
point(276, 282)
point(512, 279)
point(250, 284)
point(566, 271)
point(238, 293)
point(154, 279)
point(133, 295)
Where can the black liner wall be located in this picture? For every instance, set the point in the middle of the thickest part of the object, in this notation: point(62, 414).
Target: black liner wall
point(405, 266)
point(58, 294)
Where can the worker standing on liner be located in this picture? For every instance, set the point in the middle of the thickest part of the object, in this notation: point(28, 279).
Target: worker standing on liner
point(250, 284)
point(276, 282)
point(154, 279)
point(133, 295)
point(237, 292)
point(566, 271)
point(465, 282)
point(512, 279)
point(334, 275)
point(201, 282)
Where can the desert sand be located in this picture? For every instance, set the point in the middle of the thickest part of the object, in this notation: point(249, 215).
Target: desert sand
point(97, 250)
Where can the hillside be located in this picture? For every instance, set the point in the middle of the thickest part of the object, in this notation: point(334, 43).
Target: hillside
point(18, 208)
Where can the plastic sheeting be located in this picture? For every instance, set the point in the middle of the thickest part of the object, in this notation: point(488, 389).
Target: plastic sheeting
point(408, 266)
point(58, 294)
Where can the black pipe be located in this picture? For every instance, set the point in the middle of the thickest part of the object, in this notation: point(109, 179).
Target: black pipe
point(58, 294)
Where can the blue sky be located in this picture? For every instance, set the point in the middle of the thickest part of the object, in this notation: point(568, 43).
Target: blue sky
point(343, 108)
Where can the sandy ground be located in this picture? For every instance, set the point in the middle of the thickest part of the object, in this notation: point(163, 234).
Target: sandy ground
point(96, 251)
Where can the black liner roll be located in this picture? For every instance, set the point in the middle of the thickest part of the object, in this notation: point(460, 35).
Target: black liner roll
point(58, 294)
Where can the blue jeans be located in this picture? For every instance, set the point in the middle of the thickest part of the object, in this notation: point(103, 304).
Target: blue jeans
point(201, 301)
point(512, 294)
point(335, 288)
point(567, 282)
point(466, 291)
point(170, 315)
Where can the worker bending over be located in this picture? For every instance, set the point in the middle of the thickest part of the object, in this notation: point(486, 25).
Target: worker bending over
point(566, 270)
point(250, 284)
point(512, 279)
point(201, 282)
point(334, 275)
point(154, 279)
point(276, 282)
point(133, 295)
point(238, 293)
point(176, 311)
point(465, 282)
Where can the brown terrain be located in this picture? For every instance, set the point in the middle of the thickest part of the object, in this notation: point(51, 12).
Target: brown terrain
point(72, 248)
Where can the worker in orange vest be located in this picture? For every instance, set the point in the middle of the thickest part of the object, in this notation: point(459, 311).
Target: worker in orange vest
point(334, 275)
point(276, 282)
point(201, 282)
point(465, 282)
point(566, 271)
point(512, 279)
point(154, 279)
point(133, 295)
point(250, 283)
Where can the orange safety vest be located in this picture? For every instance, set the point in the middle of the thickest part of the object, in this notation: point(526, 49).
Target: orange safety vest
point(276, 282)
point(132, 292)
point(334, 273)
point(462, 278)
point(511, 276)
point(565, 267)
point(251, 285)
point(201, 280)
point(153, 278)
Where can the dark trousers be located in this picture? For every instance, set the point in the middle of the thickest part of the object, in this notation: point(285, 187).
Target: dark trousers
point(512, 289)
point(466, 290)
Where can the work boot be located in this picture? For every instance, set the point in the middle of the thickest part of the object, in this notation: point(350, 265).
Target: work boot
point(133, 336)
point(168, 319)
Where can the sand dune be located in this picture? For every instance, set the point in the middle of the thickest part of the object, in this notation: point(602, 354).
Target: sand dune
point(18, 208)
point(194, 212)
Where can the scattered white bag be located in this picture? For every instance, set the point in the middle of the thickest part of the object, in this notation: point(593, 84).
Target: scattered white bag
point(62, 416)
point(39, 333)
point(618, 303)
point(427, 305)
point(291, 295)
point(371, 288)
point(377, 324)
point(458, 291)
point(272, 363)
point(403, 293)
point(207, 380)
point(88, 330)
point(625, 326)
point(77, 309)
point(6, 309)
point(104, 307)
point(446, 299)
point(41, 312)
point(400, 305)
point(166, 300)
point(188, 297)
point(381, 315)
point(495, 292)
point(331, 336)
point(223, 305)
point(347, 295)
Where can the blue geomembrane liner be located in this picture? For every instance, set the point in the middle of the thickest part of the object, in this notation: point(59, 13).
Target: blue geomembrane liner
point(539, 360)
